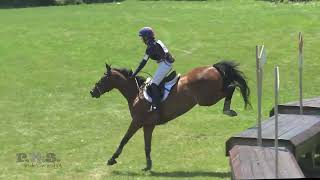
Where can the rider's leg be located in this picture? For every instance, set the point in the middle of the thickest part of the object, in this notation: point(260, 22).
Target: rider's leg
point(155, 97)
point(161, 72)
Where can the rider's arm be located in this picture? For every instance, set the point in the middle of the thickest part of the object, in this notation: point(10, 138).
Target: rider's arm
point(141, 65)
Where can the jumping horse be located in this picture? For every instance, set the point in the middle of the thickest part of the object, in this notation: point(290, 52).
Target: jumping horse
point(203, 86)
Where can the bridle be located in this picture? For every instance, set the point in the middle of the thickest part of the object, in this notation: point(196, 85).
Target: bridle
point(135, 79)
point(97, 87)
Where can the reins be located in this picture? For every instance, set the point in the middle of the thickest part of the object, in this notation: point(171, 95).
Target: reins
point(146, 73)
point(135, 78)
point(138, 88)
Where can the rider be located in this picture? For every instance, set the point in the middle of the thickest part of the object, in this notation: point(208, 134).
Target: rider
point(157, 51)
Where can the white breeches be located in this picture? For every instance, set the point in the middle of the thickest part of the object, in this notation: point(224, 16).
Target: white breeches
point(161, 72)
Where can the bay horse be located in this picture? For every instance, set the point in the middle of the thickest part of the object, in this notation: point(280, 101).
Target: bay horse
point(202, 86)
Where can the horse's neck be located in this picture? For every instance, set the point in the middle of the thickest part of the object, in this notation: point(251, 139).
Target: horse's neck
point(128, 89)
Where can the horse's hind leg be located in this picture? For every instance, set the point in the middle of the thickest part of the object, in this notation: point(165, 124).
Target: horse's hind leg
point(227, 102)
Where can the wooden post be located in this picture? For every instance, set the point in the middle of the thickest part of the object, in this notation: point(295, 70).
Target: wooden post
point(260, 61)
point(259, 93)
point(276, 93)
point(300, 71)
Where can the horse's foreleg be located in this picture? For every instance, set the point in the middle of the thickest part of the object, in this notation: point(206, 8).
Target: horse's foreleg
point(227, 102)
point(133, 128)
point(148, 129)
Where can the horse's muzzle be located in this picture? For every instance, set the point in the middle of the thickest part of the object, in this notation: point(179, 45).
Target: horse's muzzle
point(94, 95)
point(91, 92)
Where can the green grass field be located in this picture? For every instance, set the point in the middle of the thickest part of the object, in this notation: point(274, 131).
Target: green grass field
point(52, 56)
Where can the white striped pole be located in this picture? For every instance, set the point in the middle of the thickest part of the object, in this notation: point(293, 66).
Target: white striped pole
point(276, 95)
point(300, 71)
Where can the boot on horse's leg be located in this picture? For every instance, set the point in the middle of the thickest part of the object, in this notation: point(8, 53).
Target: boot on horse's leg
point(227, 110)
point(155, 107)
point(227, 103)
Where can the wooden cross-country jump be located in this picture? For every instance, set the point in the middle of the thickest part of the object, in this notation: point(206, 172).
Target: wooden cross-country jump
point(298, 134)
point(273, 148)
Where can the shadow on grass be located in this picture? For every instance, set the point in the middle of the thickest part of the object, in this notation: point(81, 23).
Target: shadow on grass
point(177, 174)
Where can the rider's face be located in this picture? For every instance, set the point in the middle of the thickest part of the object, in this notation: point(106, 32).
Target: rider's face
point(143, 40)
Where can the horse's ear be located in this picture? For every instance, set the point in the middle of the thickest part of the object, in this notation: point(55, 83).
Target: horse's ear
point(108, 67)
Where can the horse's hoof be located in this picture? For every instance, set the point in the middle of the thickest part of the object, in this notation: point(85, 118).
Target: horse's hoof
point(230, 113)
point(111, 162)
point(146, 169)
point(149, 166)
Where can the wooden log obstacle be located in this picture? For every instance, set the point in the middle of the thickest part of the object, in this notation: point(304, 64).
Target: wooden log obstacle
point(309, 160)
point(299, 135)
point(310, 107)
point(255, 162)
point(271, 149)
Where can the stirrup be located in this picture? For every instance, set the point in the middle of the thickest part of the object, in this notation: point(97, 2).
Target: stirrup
point(153, 109)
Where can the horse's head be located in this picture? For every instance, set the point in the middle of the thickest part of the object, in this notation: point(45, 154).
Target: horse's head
point(117, 78)
point(104, 84)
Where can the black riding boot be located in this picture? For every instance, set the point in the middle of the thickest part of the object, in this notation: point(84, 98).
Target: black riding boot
point(155, 91)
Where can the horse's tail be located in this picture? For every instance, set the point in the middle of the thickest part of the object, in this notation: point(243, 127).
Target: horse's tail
point(234, 77)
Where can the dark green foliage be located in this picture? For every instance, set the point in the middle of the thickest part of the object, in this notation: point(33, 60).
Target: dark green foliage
point(30, 3)
point(67, 2)
point(98, 1)
point(25, 3)
point(188, 0)
point(174, 0)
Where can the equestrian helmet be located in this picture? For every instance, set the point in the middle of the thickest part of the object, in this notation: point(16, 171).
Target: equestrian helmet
point(146, 33)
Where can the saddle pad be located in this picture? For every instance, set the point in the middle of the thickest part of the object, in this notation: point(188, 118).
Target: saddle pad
point(167, 88)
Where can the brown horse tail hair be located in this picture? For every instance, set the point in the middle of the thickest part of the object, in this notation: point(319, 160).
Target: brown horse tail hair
point(232, 76)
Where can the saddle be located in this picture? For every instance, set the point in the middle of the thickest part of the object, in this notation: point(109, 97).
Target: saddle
point(165, 86)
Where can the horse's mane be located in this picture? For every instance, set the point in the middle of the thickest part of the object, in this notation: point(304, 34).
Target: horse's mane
point(127, 73)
